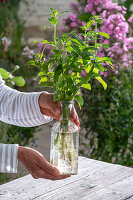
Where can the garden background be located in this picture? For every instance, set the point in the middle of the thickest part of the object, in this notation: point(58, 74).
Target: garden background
point(107, 115)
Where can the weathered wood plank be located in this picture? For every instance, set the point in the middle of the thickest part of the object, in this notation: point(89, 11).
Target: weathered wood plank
point(96, 180)
point(120, 190)
point(28, 188)
point(89, 187)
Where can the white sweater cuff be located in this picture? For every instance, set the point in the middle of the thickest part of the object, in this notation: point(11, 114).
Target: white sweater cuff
point(8, 158)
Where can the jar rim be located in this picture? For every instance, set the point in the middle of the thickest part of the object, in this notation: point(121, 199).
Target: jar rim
point(70, 102)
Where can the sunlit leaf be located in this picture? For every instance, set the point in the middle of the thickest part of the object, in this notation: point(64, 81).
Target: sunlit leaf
point(44, 79)
point(80, 100)
point(89, 24)
point(63, 12)
point(54, 11)
point(102, 82)
point(53, 20)
point(87, 86)
point(3, 73)
point(19, 81)
point(103, 34)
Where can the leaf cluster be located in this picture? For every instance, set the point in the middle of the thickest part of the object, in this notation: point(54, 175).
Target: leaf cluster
point(72, 56)
point(10, 79)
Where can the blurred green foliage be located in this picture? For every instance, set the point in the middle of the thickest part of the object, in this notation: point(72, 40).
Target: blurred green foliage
point(127, 4)
point(12, 28)
point(107, 117)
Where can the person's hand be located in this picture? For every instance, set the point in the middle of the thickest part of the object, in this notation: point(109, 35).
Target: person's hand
point(37, 165)
point(53, 109)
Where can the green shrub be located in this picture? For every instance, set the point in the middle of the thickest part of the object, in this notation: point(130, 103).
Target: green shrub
point(107, 117)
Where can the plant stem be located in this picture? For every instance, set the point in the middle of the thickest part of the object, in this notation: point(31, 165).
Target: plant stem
point(85, 37)
point(95, 38)
point(55, 34)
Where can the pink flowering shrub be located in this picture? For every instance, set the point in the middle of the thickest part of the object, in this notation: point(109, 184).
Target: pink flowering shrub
point(46, 48)
point(114, 23)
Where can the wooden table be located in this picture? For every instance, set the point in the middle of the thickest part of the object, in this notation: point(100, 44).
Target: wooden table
point(96, 181)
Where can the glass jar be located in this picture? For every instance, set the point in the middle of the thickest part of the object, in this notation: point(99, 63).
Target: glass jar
point(64, 142)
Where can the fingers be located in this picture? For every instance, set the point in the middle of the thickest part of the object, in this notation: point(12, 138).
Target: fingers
point(54, 178)
point(47, 167)
point(55, 108)
point(49, 113)
point(48, 106)
point(42, 174)
point(74, 116)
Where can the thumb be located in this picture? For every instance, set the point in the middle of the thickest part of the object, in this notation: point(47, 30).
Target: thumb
point(54, 108)
point(50, 169)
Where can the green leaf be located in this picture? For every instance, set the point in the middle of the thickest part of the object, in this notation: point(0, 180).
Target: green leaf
point(57, 72)
point(53, 20)
point(89, 24)
point(100, 67)
point(45, 42)
point(86, 54)
point(83, 28)
point(71, 85)
point(55, 97)
point(76, 48)
point(63, 12)
point(44, 79)
point(103, 34)
point(102, 82)
point(78, 38)
point(55, 12)
point(110, 63)
point(99, 21)
point(61, 78)
point(34, 41)
point(75, 41)
point(105, 46)
point(65, 37)
point(88, 69)
point(19, 81)
point(56, 75)
point(87, 86)
point(93, 48)
point(3, 73)
point(55, 51)
point(80, 100)
point(42, 53)
point(31, 63)
point(69, 48)
point(45, 84)
point(104, 59)
point(41, 74)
